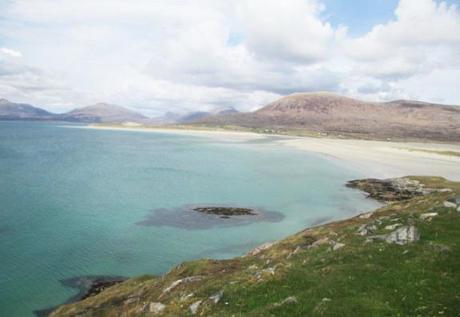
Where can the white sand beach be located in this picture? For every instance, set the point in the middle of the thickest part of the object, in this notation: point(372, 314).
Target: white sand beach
point(383, 159)
point(380, 159)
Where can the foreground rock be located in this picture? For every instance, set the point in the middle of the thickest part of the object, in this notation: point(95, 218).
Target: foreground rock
point(403, 235)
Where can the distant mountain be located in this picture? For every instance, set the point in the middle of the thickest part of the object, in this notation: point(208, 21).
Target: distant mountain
point(331, 113)
point(171, 117)
point(103, 113)
point(21, 111)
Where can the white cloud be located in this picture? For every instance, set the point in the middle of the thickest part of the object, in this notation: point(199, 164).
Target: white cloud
point(173, 55)
point(10, 52)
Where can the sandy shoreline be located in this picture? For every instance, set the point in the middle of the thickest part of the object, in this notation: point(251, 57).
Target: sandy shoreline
point(380, 159)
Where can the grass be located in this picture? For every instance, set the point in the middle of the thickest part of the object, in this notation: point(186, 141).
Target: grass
point(360, 279)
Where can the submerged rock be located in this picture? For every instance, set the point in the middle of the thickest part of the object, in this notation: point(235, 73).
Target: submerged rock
point(197, 217)
point(91, 285)
point(88, 286)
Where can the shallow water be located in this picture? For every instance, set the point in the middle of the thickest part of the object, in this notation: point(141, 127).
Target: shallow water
point(73, 203)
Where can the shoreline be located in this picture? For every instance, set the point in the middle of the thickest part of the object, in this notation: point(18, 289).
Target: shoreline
point(378, 159)
point(337, 248)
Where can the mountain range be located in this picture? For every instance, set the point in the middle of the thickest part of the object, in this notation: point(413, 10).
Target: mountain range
point(102, 113)
point(323, 113)
point(190, 117)
point(334, 114)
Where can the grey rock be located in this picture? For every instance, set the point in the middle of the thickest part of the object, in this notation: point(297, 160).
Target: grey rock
point(366, 215)
point(260, 248)
point(183, 280)
point(156, 308)
point(217, 297)
point(428, 215)
point(337, 246)
point(403, 235)
point(449, 204)
point(288, 301)
point(393, 226)
point(194, 307)
point(186, 297)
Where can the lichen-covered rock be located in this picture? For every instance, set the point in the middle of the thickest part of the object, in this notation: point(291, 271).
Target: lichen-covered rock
point(393, 189)
point(183, 280)
point(194, 307)
point(217, 297)
point(260, 248)
point(449, 204)
point(337, 245)
point(156, 308)
point(403, 235)
point(288, 301)
point(428, 215)
point(393, 226)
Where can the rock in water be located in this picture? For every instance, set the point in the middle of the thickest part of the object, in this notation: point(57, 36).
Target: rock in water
point(403, 235)
point(226, 211)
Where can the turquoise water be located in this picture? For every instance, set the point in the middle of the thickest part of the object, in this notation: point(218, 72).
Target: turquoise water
point(71, 201)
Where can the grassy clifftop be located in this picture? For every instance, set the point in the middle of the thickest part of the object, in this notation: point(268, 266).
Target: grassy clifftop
point(401, 260)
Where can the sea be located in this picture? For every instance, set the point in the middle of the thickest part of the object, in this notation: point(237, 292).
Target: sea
point(78, 202)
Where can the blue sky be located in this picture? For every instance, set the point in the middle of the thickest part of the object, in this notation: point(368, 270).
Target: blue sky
point(361, 15)
point(175, 55)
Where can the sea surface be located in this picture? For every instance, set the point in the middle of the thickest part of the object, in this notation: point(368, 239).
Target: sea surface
point(76, 202)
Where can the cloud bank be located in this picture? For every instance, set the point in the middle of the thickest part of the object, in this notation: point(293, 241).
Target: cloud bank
point(157, 56)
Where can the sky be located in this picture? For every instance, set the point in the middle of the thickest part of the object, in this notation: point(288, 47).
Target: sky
point(155, 56)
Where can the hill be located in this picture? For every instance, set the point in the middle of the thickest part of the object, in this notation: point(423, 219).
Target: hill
point(103, 113)
point(177, 118)
point(21, 111)
point(334, 114)
point(401, 260)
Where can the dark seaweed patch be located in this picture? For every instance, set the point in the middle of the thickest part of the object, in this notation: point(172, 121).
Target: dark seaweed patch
point(187, 217)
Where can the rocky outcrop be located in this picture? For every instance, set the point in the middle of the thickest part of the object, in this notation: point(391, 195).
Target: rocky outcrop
point(393, 189)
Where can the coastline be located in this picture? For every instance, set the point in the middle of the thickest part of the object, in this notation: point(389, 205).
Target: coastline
point(398, 237)
point(378, 159)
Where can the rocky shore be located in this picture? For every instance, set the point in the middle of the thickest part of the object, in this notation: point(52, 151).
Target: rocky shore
point(402, 259)
point(87, 286)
